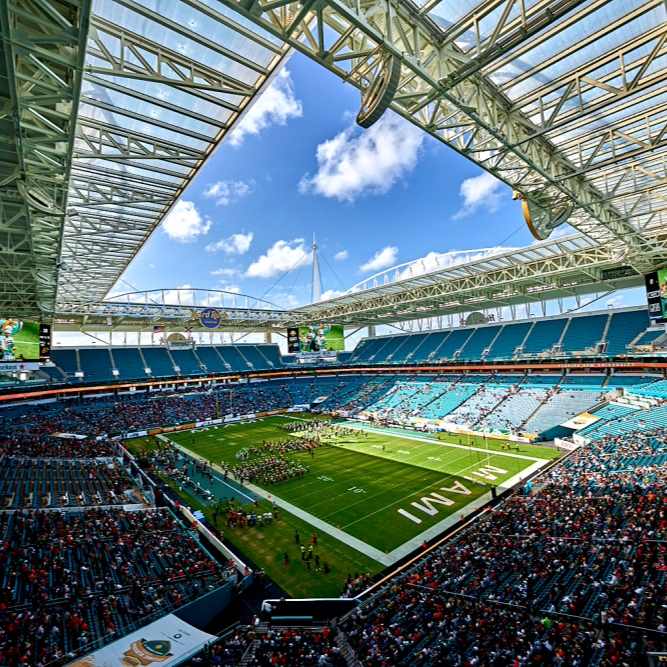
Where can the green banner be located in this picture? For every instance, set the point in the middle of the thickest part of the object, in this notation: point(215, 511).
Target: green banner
point(322, 338)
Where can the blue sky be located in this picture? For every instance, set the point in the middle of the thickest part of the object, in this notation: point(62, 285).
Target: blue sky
point(298, 165)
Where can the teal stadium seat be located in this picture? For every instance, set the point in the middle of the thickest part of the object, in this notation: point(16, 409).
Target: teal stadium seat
point(129, 364)
point(508, 340)
point(478, 342)
point(157, 359)
point(95, 364)
point(67, 361)
point(186, 362)
point(234, 358)
point(584, 333)
point(623, 329)
point(544, 335)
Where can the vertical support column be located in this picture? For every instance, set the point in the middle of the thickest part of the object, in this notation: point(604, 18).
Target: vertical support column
point(371, 331)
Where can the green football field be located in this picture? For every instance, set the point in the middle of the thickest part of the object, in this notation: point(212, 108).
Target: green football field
point(382, 489)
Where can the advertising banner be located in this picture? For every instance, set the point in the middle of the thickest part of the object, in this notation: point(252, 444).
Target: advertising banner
point(656, 295)
point(316, 338)
point(165, 642)
point(20, 340)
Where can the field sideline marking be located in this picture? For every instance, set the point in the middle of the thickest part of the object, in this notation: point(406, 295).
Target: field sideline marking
point(479, 483)
point(441, 443)
point(409, 545)
point(194, 455)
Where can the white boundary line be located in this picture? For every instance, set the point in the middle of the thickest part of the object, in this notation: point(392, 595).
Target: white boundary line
point(372, 552)
point(440, 443)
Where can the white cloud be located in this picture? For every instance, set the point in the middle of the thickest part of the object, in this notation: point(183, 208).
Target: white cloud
point(236, 244)
point(275, 106)
point(234, 289)
point(181, 295)
point(341, 255)
point(284, 300)
point(434, 261)
point(184, 222)
point(226, 192)
point(280, 257)
point(615, 301)
point(481, 191)
point(226, 272)
point(330, 294)
point(356, 162)
point(381, 259)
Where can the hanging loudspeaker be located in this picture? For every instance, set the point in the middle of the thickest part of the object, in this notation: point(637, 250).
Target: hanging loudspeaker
point(375, 100)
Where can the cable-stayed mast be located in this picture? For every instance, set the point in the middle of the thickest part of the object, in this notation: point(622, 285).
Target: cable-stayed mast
point(316, 281)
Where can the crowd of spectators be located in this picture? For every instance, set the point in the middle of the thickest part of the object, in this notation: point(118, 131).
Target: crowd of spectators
point(29, 482)
point(69, 578)
point(272, 647)
point(534, 580)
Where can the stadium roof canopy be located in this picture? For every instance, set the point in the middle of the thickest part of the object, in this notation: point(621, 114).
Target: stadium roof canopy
point(117, 105)
point(108, 109)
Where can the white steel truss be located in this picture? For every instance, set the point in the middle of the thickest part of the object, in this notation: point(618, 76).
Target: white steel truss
point(40, 77)
point(163, 84)
point(561, 99)
point(568, 266)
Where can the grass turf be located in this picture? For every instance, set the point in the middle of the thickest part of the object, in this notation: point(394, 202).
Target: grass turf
point(266, 545)
point(358, 486)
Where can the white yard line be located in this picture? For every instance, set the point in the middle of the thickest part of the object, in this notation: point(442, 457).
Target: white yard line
point(216, 467)
point(410, 545)
point(441, 443)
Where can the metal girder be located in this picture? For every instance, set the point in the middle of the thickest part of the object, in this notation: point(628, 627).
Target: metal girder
point(160, 90)
point(40, 76)
point(457, 83)
point(175, 309)
point(568, 266)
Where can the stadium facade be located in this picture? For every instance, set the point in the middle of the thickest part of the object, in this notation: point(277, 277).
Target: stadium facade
point(491, 493)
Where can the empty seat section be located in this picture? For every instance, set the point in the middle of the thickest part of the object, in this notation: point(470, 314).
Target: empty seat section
point(623, 329)
point(449, 400)
point(272, 354)
point(366, 348)
point(584, 333)
point(656, 389)
point(412, 345)
point(513, 411)
point(454, 342)
point(542, 380)
point(158, 361)
point(544, 336)
point(560, 407)
point(584, 380)
point(252, 354)
point(66, 360)
point(231, 355)
point(478, 342)
point(95, 364)
point(186, 362)
point(386, 352)
point(53, 373)
point(429, 346)
point(508, 340)
point(478, 405)
point(617, 380)
point(128, 363)
point(650, 336)
point(211, 359)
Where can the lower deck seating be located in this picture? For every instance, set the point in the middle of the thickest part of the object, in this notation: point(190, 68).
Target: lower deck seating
point(560, 407)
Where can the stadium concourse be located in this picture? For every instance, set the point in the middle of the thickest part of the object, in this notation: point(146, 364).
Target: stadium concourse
point(126, 507)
